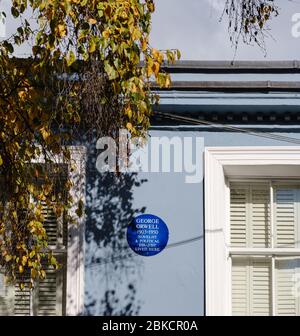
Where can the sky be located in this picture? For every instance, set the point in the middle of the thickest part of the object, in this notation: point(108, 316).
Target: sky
point(194, 27)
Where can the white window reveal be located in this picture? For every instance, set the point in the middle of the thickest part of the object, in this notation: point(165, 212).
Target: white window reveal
point(265, 248)
point(252, 223)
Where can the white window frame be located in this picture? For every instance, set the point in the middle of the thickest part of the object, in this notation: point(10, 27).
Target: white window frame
point(76, 231)
point(272, 162)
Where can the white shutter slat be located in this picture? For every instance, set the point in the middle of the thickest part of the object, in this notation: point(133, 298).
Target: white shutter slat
point(260, 216)
point(285, 216)
point(250, 215)
point(240, 275)
point(238, 215)
point(252, 283)
point(56, 228)
point(261, 287)
point(251, 287)
point(22, 298)
point(49, 295)
point(287, 292)
point(49, 299)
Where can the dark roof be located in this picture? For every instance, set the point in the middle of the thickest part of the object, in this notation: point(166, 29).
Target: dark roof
point(234, 86)
point(233, 66)
point(211, 76)
point(256, 92)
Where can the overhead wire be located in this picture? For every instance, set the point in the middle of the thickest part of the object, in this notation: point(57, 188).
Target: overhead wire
point(271, 136)
point(122, 257)
point(252, 132)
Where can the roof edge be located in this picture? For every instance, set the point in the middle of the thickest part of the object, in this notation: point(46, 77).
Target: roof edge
point(193, 66)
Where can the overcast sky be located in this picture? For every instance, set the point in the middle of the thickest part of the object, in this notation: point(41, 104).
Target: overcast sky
point(194, 27)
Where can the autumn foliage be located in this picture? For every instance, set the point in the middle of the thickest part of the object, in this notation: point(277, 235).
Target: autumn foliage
point(85, 70)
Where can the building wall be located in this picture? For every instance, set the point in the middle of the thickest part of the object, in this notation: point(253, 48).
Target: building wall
point(119, 282)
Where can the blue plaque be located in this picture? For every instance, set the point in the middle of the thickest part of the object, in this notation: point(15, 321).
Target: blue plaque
point(147, 235)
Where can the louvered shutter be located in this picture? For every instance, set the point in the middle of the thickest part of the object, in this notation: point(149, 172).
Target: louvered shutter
point(260, 216)
point(285, 216)
point(23, 298)
point(287, 223)
point(240, 287)
point(239, 198)
point(261, 287)
point(50, 293)
point(250, 215)
point(251, 287)
point(6, 297)
point(13, 300)
point(287, 287)
point(49, 296)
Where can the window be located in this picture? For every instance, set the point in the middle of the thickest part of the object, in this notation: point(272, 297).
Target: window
point(49, 295)
point(264, 249)
point(61, 293)
point(252, 259)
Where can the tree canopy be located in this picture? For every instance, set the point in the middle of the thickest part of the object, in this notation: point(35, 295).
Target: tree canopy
point(85, 70)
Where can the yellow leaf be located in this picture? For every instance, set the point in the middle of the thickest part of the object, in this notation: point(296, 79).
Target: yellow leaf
point(24, 260)
point(168, 81)
point(1, 161)
point(21, 269)
point(92, 46)
point(149, 67)
point(8, 258)
point(92, 21)
point(71, 58)
point(129, 126)
point(43, 274)
point(14, 213)
point(45, 133)
point(106, 34)
point(128, 111)
point(155, 68)
point(61, 30)
point(33, 273)
point(144, 44)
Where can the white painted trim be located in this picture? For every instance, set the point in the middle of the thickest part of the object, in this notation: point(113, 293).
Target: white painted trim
point(264, 251)
point(217, 224)
point(217, 261)
point(76, 231)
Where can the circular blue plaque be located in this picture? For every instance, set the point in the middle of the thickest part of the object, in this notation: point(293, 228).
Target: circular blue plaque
point(147, 235)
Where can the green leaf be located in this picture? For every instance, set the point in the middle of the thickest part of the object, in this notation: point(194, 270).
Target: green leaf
point(93, 45)
point(17, 40)
point(15, 13)
point(71, 58)
point(111, 72)
point(79, 210)
point(8, 46)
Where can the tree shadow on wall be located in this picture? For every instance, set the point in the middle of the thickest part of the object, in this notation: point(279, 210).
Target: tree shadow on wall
point(111, 268)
